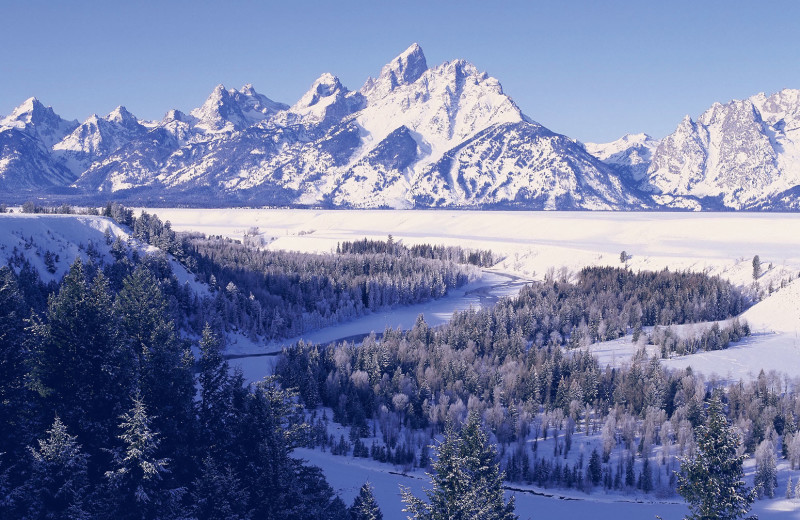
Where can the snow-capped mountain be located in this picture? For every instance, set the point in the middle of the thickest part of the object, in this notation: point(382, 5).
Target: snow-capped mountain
point(414, 136)
point(229, 110)
point(27, 136)
point(744, 154)
point(97, 137)
point(630, 155)
point(411, 137)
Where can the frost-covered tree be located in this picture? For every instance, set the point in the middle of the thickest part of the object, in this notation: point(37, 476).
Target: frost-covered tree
point(756, 267)
point(467, 482)
point(58, 483)
point(364, 506)
point(136, 482)
point(766, 478)
point(712, 481)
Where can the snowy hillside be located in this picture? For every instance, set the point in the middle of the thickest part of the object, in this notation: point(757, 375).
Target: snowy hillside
point(51, 243)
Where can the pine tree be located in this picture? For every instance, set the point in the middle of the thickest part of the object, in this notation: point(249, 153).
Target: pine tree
point(58, 484)
point(712, 480)
point(467, 482)
point(136, 482)
point(364, 506)
point(13, 357)
point(218, 494)
point(79, 365)
point(214, 407)
point(164, 369)
point(789, 488)
point(594, 471)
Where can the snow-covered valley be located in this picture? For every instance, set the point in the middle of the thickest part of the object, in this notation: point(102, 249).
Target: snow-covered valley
point(533, 246)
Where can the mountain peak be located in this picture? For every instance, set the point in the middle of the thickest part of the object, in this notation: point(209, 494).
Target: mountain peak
point(120, 115)
point(27, 110)
point(406, 68)
point(325, 86)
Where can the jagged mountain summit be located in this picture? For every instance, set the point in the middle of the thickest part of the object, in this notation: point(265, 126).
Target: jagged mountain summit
point(744, 154)
point(415, 136)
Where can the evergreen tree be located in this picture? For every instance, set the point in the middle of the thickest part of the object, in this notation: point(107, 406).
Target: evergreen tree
point(364, 506)
point(594, 471)
point(12, 368)
point(58, 484)
point(712, 480)
point(164, 369)
point(218, 494)
point(80, 368)
point(467, 482)
point(214, 407)
point(136, 482)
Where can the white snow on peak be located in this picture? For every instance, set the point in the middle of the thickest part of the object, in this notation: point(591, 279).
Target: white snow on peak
point(632, 153)
point(741, 152)
point(120, 115)
point(97, 137)
point(405, 69)
point(230, 110)
point(604, 151)
point(442, 107)
point(327, 101)
point(38, 121)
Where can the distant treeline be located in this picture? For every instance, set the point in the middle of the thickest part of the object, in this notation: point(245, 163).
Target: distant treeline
point(459, 255)
point(277, 294)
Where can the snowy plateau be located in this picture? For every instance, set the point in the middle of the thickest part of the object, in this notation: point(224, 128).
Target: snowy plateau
point(415, 136)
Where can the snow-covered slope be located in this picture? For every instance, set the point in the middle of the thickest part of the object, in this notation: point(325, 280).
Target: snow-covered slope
point(51, 243)
point(414, 136)
point(97, 137)
point(229, 110)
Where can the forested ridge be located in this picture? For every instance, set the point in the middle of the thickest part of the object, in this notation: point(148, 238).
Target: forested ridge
point(105, 414)
point(279, 294)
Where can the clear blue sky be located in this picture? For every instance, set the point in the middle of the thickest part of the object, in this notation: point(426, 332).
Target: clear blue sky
point(593, 70)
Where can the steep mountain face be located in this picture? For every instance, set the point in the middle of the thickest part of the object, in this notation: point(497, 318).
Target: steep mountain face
point(97, 137)
point(739, 155)
point(523, 165)
point(630, 155)
point(27, 136)
point(414, 136)
point(231, 110)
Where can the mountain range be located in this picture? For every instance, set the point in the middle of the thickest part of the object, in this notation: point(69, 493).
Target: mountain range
point(413, 137)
